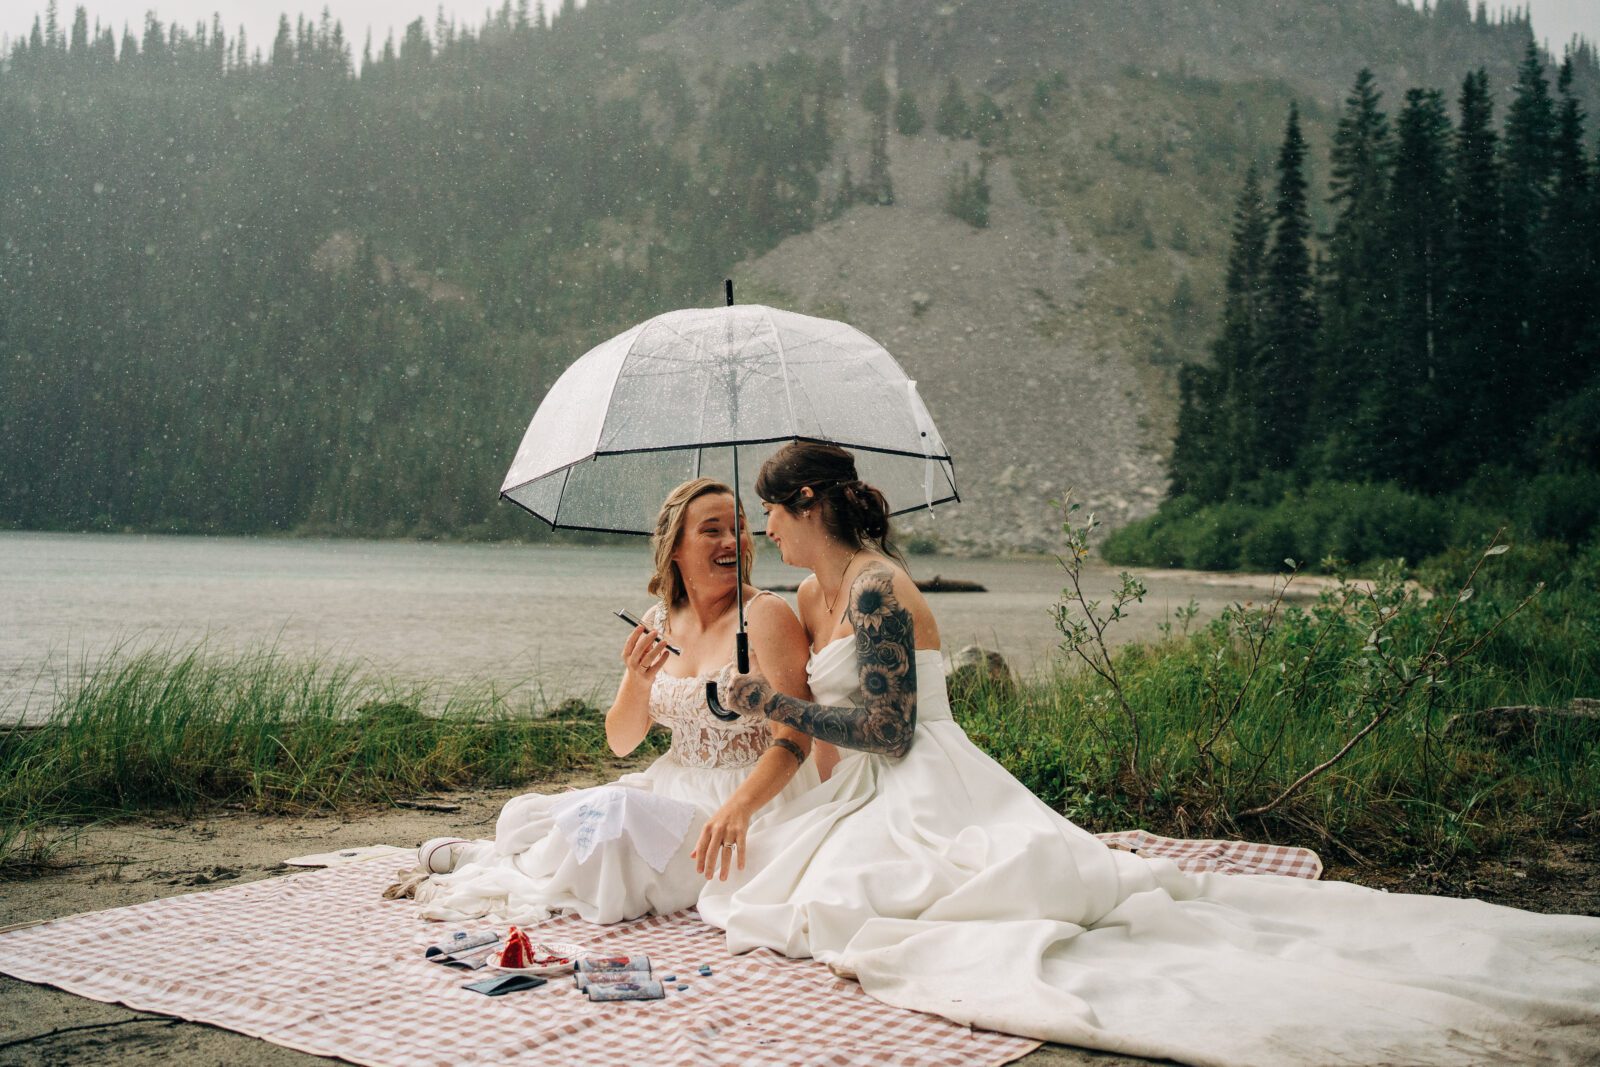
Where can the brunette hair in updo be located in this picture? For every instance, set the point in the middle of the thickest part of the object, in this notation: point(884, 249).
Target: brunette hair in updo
point(852, 511)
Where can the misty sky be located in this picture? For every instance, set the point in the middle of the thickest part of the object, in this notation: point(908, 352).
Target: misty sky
point(1555, 21)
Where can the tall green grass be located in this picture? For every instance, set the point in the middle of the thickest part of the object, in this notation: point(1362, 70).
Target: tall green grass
point(182, 728)
point(1282, 688)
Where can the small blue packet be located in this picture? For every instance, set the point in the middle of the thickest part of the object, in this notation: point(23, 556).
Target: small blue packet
point(506, 983)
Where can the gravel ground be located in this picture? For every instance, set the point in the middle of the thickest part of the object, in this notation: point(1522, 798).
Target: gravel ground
point(943, 296)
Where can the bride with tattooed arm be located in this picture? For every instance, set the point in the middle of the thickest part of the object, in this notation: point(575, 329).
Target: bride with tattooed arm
point(943, 885)
point(649, 841)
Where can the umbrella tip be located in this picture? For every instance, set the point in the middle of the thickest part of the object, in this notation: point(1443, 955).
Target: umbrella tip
point(727, 289)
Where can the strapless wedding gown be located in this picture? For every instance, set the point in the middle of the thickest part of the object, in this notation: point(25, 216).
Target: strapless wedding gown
point(616, 851)
point(943, 885)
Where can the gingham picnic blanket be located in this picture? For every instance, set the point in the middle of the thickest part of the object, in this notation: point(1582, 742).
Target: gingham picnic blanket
point(317, 962)
point(1222, 857)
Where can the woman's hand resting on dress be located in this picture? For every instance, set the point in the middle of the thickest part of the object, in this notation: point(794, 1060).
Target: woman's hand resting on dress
point(644, 653)
point(722, 836)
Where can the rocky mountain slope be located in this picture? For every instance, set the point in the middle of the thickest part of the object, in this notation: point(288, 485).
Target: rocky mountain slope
point(1026, 413)
point(1047, 343)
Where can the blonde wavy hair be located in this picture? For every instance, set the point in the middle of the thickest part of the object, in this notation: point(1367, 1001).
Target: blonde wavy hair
point(666, 582)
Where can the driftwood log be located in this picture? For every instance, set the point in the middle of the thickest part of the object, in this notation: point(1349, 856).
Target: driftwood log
point(937, 584)
point(1519, 724)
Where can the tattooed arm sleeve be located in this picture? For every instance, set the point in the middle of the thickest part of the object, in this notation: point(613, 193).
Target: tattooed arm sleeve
point(886, 651)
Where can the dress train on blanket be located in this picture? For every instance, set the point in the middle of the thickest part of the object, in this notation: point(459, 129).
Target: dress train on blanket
point(945, 886)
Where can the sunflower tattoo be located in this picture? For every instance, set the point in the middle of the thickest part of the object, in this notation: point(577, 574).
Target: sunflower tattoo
point(886, 652)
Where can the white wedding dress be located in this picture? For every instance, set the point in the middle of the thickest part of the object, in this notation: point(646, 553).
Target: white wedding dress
point(617, 851)
point(945, 886)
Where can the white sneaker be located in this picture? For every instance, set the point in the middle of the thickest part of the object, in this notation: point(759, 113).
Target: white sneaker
point(440, 855)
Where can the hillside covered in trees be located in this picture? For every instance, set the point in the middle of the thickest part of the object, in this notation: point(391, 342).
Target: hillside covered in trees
point(1434, 374)
point(310, 285)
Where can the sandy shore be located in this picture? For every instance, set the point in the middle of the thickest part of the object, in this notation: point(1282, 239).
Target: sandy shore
point(157, 857)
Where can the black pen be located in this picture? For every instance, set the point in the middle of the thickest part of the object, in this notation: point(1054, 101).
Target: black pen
point(628, 618)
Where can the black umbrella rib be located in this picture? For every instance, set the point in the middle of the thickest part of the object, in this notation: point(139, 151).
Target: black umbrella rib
point(691, 445)
point(746, 441)
point(953, 498)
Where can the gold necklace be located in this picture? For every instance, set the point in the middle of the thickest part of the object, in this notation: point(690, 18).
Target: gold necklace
point(827, 600)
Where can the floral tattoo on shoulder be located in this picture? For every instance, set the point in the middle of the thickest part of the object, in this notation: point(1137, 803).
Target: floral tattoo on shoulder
point(885, 646)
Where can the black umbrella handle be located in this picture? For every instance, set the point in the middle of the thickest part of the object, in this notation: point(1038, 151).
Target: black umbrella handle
point(742, 642)
point(715, 705)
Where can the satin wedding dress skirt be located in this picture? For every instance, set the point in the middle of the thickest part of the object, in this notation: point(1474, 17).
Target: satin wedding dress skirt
point(943, 885)
point(616, 851)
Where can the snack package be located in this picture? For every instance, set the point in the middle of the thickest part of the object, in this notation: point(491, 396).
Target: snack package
point(459, 942)
point(468, 951)
point(594, 978)
point(602, 964)
point(644, 989)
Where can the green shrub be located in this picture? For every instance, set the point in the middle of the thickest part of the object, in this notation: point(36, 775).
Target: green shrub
point(1269, 522)
point(967, 195)
point(1562, 507)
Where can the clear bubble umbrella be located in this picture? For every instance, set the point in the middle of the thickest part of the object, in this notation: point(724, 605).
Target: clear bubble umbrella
point(712, 392)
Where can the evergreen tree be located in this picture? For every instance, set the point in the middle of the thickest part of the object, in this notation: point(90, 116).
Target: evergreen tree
point(1569, 286)
point(1476, 339)
point(1412, 387)
point(1285, 369)
point(875, 96)
point(79, 46)
point(283, 46)
point(1218, 442)
point(907, 115)
point(154, 47)
point(847, 193)
point(988, 120)
point(967, 194)
point(1198, 467)
point(879, 187)
point(1356, 288)
point(951, 118)
point(1528, 168)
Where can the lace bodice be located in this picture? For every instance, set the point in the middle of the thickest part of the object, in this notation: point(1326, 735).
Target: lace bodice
point(699, 739)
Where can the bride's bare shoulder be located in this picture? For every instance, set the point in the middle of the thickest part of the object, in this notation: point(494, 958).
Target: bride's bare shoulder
point(890, 582)
point(884, 574)
point(770, 609)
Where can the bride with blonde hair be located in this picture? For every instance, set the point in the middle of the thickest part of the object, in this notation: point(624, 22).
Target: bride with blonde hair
point(648, 842)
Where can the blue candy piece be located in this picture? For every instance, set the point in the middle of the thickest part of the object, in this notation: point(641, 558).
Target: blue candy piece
point(669, 978)
point(682, 986)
